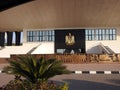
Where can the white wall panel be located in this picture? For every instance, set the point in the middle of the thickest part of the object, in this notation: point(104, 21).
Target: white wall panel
point(45, 48)
point(91, 46)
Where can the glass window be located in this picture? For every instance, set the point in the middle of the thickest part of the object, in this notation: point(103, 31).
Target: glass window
point(87, 37)
point(53, 38)
point(114, 31)
point(97, 37)
point(100, 34)
point(97, 31)
point(33, 36)
point(53, 33)
point(114, 37)
point(100, 31)
point(31, 33)
point(31, 39)
point(93, 37)
point(107, 31)
point(110, 31)
point(90, 32)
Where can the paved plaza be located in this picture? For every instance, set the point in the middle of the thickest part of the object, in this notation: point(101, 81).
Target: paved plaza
point(90, 82)
point(94, 67)
point(83, 81)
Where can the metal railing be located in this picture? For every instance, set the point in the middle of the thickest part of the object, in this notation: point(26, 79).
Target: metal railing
point(106, 49)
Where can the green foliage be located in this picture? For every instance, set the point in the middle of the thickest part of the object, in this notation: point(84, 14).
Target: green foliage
point(35, 72)
point(20, 84)
point(63, 87)
point(17, 84)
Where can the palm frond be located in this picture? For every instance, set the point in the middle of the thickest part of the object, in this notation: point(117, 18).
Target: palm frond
point(35, 69)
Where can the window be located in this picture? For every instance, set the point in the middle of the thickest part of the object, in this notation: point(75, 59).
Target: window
point(40, 36)
point(30, 36)
point(100, 34)
point(90, 34)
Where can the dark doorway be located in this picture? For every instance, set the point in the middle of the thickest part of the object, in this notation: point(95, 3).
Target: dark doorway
point(2, 39)
point(70, 41)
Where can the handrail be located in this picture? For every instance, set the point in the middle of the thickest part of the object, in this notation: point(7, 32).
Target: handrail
point(107, 51)
point(33, 49)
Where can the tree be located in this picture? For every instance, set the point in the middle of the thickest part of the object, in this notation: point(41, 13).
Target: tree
point(35, 71)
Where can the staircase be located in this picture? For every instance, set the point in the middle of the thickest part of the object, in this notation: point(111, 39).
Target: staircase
point(33, 49)
point(26, 48)
point(106, 49)
point(109, 50)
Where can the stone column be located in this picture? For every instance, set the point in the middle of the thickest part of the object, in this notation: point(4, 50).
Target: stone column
point(2, 39)
point(18, 36)
point(9, 38)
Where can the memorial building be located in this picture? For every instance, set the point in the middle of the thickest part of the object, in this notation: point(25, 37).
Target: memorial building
point(59, 27)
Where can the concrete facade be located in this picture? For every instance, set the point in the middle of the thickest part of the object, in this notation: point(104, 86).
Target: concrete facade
point(91, 46)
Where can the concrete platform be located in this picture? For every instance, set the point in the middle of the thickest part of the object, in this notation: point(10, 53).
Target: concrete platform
point(87, 67)
point(94, 67)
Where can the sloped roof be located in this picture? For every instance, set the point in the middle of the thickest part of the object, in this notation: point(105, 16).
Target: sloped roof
point(47, 14)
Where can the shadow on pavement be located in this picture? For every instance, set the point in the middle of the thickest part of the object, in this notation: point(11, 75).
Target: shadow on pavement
point(88, 85)
point(115, 81)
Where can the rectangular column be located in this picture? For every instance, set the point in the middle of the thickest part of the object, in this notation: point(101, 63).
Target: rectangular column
point(9, 38)
point(18, 36)
point(2, 39)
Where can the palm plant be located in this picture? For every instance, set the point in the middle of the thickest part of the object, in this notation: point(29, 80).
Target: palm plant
point(35, 70)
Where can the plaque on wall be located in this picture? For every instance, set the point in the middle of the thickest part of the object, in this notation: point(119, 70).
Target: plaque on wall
point(70, 41)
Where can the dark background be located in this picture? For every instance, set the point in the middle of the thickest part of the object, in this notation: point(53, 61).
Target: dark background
point(79, 35)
